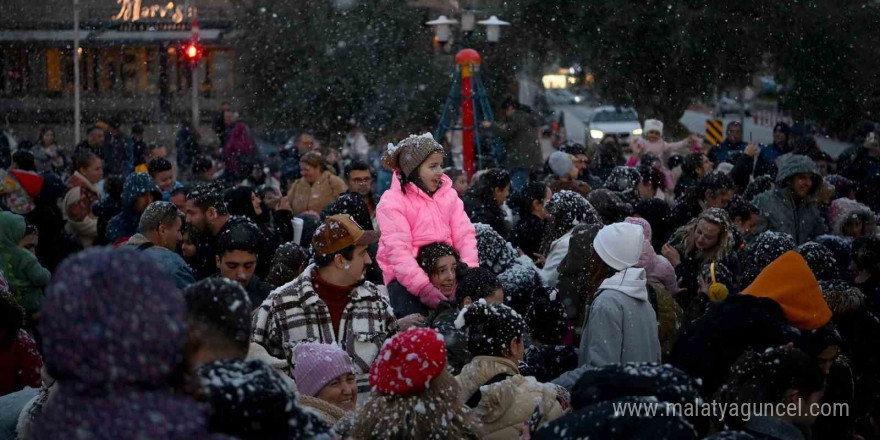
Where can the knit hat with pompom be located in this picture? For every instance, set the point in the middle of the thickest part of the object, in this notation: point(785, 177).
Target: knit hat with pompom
point(410, 153)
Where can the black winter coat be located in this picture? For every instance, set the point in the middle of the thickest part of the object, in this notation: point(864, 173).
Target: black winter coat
point(486, 212)
point(527, 235)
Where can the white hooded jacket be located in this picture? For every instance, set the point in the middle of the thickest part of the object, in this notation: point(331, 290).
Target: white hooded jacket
point(622, 324)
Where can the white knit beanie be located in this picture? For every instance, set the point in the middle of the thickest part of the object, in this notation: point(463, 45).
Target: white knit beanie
point(560, 163)
point(619, 245)
point(653, 125)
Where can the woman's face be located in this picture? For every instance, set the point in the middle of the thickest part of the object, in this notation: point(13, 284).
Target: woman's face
point(310, 173)
point(501, 194)
point(460, 184)
point(652, 136)
point(431, 171)
point(646, 191)
point(443, 277)
point(539, 208)
point(341, 392)
point(271, 198)
point(94, 172)
point(854, 227)
point(189, 247)
point(256, 202)
point(706, 235)
point(48, 138)
point(706, 168)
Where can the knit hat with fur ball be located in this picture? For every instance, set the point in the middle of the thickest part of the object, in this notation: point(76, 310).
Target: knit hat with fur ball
point(560, 163)
point(410, 153)
point(408, 362)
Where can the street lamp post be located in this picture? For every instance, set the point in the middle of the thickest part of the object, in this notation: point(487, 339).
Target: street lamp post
point(468, 62)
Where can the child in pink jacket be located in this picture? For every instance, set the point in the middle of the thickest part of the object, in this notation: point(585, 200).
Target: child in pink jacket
point(420, 208)
point(653, 143)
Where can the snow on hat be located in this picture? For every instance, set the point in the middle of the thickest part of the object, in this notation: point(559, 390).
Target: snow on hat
point(820, 259)
point(317, 365)
point(560, 163)
point(249, 399)
point(411, 152)
point(619, 245)
point(653, 125)
point(408, 362)
point(494, 251)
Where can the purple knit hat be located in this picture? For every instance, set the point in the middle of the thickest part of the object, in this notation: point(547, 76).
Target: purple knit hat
point(317, 365)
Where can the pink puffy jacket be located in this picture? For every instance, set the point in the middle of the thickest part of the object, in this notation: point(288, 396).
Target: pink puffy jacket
point(412, 220)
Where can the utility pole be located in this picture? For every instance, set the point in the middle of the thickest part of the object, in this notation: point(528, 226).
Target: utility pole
point(195, 84)
point(77, 116)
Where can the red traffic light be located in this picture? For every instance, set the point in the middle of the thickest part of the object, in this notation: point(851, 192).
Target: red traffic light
point(191, 51)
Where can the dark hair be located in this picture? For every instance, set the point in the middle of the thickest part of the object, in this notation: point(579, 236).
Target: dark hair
point(31, 228)
point(137, 129)
point(453, 173)
point(491, 327)
point(158, 213)
point(352, 204)
point(692, 162)
point(151, 148)
point(83, 158)
point(742, 208)
point(546, 317)
point(429, 254)
point(114, 184)
point(714, 183)
point(766, 377)
point(484, 188)
point(24, 159)
point(574, 149)
point(866, 253)
point(657, 213)
point(287, 263)
point(674, 161)
point(208, 195)
point(157, 165)
point(93, 128)
point(243, 235)
point(652, 176)
point(521, 200)
point(357, 165)
point(322, 260)
point(476, 283)
point(201, 164)
point(758, 186)
point(180, 190)
point(222, 309)
point(11, 318)
point(509, 102)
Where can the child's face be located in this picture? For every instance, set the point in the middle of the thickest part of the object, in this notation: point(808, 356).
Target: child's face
point(189, 248)
point(460, 184)
point(443, 277)
point(431, 171)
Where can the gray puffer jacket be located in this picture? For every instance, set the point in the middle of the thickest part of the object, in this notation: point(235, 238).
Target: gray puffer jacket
point(781, 213)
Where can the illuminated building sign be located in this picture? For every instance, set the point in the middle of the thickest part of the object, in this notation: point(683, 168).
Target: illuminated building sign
point(136, 10)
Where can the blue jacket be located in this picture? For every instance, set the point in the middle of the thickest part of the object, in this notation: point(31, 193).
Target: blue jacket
point(125, 224)
point(169, 261)
point(720, 152)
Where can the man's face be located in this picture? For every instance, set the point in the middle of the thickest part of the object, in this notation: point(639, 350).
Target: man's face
point(237, 266)
point(779, 137)
point(357, 266)
point(305, 143)
point(580, 162)
point(497, 297)
point(96, 138)
point(142, 201)
point(170, 236)
point(195, 217)
point(801, 184)
point(164, 180)
point(360, 181)
point(228, 117)
point(179, 200)
point(29, 243)
point(735, 133)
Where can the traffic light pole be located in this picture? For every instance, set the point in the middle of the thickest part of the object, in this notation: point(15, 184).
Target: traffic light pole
point(195, 86)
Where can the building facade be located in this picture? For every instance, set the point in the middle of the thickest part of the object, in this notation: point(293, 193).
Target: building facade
point(132, 63)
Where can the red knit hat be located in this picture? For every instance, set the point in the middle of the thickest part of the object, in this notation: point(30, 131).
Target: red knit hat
point(408, 362)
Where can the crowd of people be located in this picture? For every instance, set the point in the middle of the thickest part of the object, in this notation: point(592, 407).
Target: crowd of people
point(373, 292)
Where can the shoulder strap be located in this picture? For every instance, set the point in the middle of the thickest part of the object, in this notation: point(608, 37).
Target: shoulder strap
point(145, 246)
point(475, 398)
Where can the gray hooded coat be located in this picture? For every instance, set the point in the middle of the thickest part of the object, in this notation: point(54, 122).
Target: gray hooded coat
point(781, 213)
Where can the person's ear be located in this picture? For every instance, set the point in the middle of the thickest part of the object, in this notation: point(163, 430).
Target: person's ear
point(339, 261)
point(218, 261)
point(211, 213)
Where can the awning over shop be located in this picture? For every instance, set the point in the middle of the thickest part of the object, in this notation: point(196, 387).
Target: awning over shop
point(150, 36)
point(41, 35)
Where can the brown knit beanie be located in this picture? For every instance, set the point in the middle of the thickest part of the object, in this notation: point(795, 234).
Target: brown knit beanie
point(313, 158)
point(410, 153)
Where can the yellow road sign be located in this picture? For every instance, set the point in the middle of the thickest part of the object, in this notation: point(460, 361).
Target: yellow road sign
point(714, 132)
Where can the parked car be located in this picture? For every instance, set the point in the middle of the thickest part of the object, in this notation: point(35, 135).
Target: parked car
point(729, 105)
point(619, 122)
